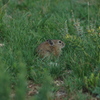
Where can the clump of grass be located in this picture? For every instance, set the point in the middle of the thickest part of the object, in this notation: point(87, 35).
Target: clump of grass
point(21, 84)
point(46, 89)
point(92, 81)
point(4, 81)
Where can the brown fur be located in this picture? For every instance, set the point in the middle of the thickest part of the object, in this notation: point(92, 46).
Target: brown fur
point(50, 47)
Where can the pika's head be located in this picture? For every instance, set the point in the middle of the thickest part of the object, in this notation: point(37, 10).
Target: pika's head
point(58, 43)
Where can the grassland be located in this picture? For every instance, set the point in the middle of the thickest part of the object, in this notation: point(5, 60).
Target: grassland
point(75, 75)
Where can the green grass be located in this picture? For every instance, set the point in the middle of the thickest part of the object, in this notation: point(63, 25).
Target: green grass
point(24, 24)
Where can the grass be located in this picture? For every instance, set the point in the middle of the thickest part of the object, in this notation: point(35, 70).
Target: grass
point(24, 24)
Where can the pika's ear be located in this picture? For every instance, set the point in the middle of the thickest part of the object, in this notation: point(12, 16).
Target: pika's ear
point(50, 42)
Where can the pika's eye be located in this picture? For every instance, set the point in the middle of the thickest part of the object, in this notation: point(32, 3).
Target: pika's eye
point(59, 41)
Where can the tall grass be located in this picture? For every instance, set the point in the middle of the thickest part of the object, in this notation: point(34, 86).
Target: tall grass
point(24, 24)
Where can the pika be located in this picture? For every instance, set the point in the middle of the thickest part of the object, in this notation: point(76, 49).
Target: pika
point(50, 47)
